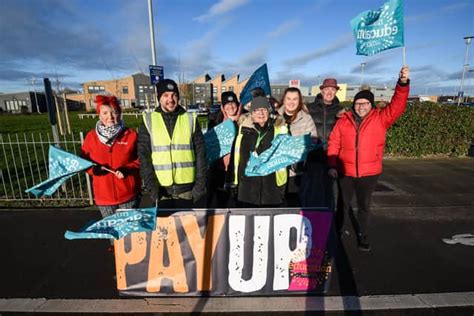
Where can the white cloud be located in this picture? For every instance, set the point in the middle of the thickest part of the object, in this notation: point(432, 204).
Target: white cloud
point(220, 8)
point(284, 28)
point(340, 43)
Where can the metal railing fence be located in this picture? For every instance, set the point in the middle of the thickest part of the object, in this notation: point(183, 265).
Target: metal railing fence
point(24, 163)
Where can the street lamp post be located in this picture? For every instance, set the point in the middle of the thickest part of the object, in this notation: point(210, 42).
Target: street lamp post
point(152, 41)
point(465, 65)
point(152, 31)
point(33, 81)
point(362, 66)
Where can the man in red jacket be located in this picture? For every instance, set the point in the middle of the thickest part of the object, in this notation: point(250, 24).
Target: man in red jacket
point(355, 151)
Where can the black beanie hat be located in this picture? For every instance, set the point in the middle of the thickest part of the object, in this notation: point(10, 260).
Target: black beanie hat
point(364, 94)
point(166, 85)
point(229, 96)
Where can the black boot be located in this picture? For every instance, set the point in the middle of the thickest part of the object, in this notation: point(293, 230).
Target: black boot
point(363, 242)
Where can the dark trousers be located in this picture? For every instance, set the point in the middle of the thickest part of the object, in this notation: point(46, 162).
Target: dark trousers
point(318, 188)
point(363, 188)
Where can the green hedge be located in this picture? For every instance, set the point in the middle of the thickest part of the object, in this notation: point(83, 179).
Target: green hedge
point(427, 129)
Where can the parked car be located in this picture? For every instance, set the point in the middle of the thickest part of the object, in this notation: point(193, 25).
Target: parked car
point(216, 107)
point(193, 108)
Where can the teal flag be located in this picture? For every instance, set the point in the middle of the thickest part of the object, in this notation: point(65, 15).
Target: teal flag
point(285, 150)
point(62, 166)
point(378, 30)
point(219, 140)
point(118, 225)
point(259, 79)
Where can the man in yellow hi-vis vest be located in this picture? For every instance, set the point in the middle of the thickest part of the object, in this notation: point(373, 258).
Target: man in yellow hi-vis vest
point(172, 152)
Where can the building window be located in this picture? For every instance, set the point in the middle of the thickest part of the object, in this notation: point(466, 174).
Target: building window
point(231, 88)
point(126, 103)
point(140, 89)
point(125, 89)
point(223, 89)
point(95, 89)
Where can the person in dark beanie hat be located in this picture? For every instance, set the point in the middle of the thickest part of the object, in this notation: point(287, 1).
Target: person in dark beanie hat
point(166, 85)
point(364, 94)
point(228, 96)
point(355, 151)
point(230, 108)
point(221, 192)
point(174, 177)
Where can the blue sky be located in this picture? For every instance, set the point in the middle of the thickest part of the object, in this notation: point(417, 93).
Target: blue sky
point(81, 40)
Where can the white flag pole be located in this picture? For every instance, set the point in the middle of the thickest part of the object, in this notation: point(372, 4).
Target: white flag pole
point(404, 56)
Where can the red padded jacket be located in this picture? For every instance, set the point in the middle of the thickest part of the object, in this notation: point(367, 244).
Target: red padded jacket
point(358, 152)
point(108, 189)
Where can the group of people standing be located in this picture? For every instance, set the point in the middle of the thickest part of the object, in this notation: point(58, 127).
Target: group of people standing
point(169, 153)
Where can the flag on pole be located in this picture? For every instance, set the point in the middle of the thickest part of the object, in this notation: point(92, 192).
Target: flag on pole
point(219, 140)
point(62, 166)
point(118, 225)
point(259, 79)
point(285, 150)
point(379, 30)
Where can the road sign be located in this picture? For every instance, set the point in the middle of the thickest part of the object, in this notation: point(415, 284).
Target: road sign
point(156, 74)
point(294, 83)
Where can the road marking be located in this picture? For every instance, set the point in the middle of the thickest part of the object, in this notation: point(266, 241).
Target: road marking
point(463, 239)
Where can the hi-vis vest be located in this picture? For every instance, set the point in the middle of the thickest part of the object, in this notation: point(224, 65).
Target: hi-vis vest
point(173, 158)
point(281, 175)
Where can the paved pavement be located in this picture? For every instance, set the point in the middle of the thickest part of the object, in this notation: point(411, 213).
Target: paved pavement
point(410, 269)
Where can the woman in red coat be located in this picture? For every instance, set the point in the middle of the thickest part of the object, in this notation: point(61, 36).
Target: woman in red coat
point(113, 147)
point(355, 151)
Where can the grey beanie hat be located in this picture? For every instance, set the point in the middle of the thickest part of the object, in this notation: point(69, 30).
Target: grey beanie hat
point(259, 103)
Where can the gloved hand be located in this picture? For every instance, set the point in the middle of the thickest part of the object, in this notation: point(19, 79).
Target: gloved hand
point(198, 196)
point(98, 171)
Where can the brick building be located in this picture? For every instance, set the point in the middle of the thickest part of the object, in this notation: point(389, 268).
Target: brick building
point(134, 91)
point(23, 102)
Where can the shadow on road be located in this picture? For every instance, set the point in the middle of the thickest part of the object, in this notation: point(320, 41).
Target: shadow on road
point(347, 284)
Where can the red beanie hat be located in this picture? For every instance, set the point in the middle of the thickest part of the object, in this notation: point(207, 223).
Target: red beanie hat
point(107, 100)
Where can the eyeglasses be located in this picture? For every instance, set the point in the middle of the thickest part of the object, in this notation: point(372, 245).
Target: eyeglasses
point(261, 110)
point(361, 104)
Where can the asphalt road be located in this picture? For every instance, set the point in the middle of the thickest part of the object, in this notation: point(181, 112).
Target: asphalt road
point(417, 204)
